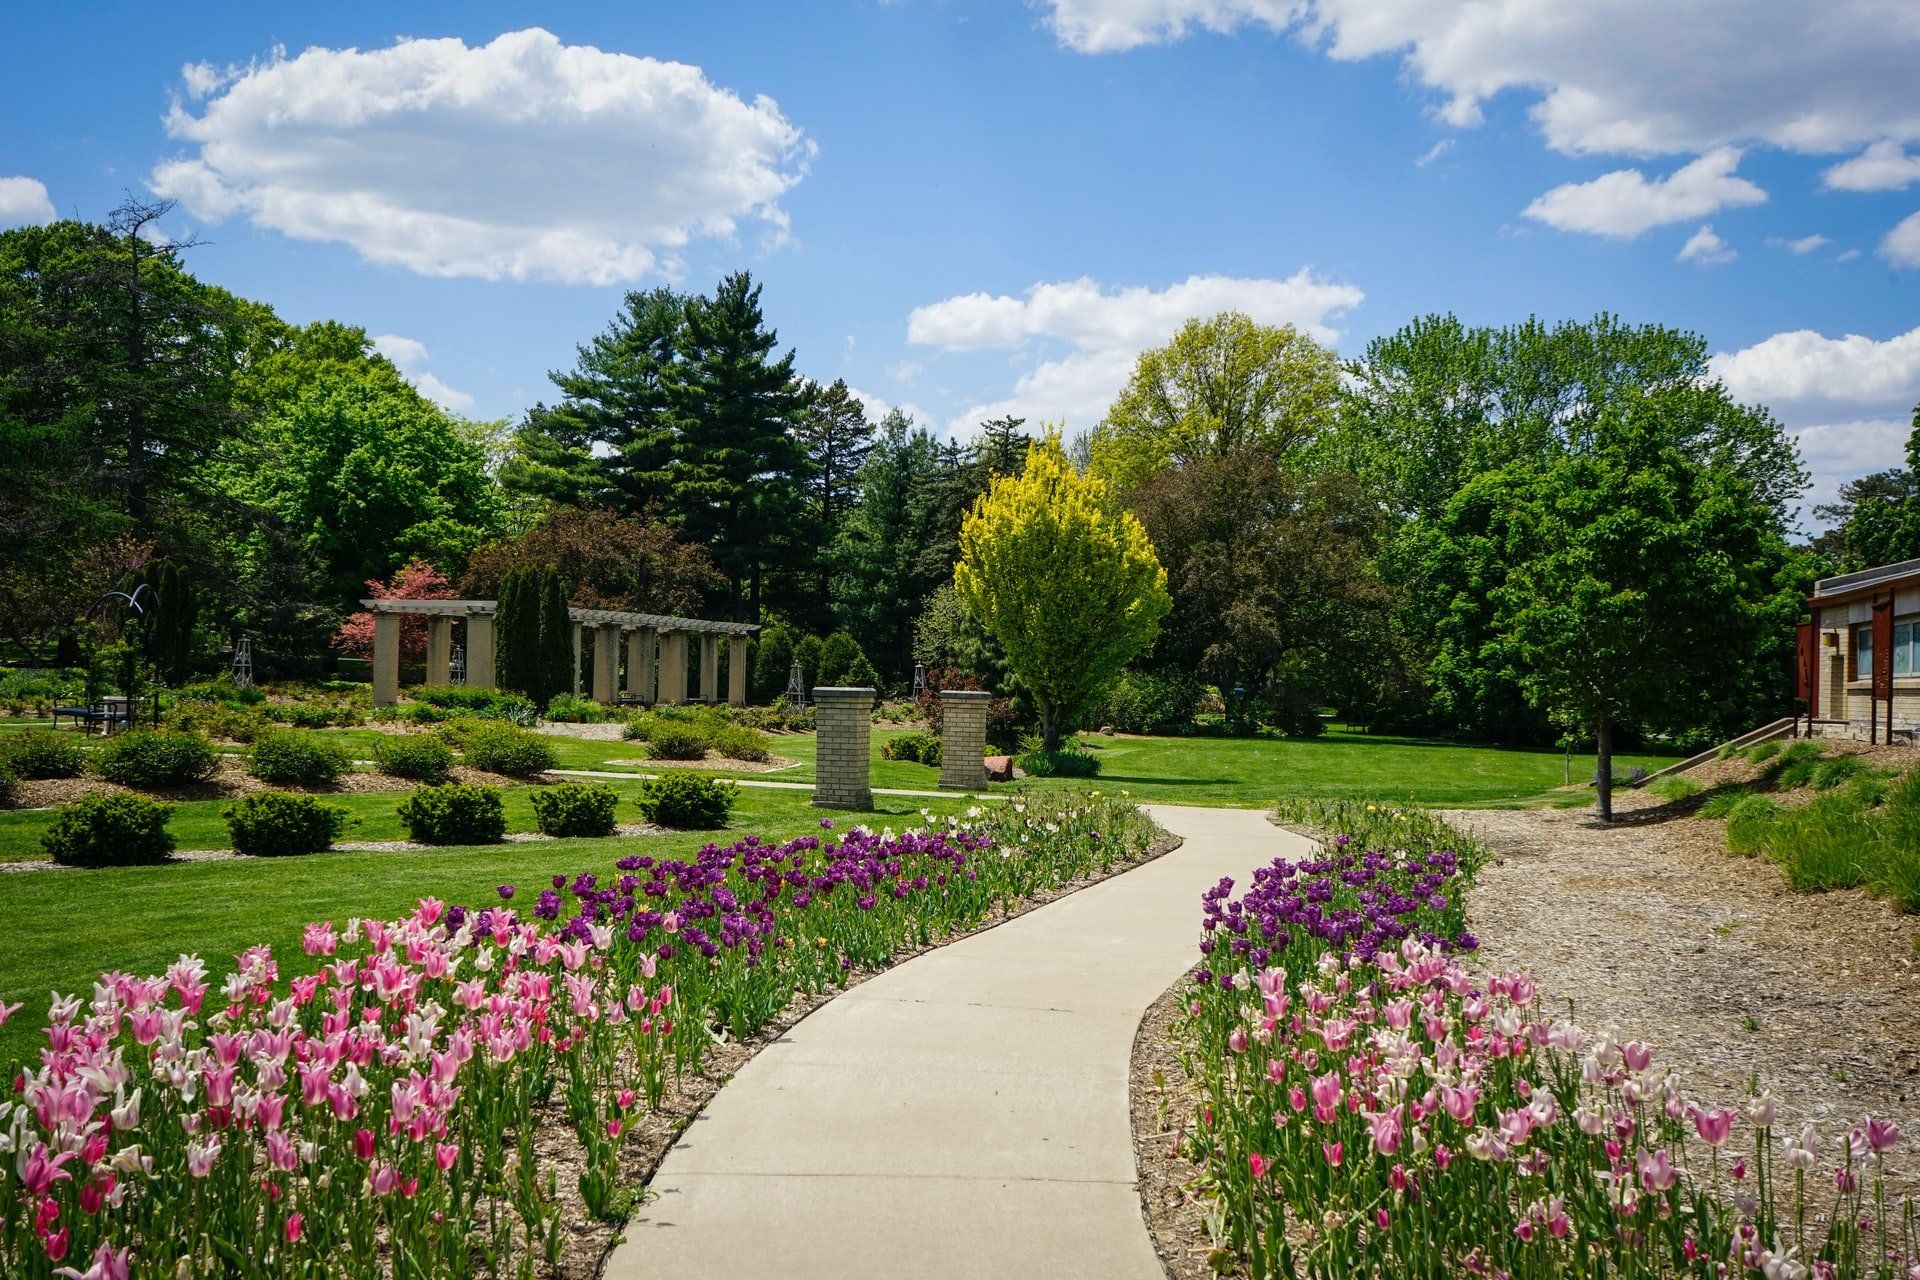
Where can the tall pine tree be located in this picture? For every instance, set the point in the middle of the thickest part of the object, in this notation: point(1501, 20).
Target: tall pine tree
point(735, 484)
point(832, 427)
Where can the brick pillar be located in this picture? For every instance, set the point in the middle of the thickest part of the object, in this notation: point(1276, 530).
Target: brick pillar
point(963, 738)
point(640, 664)
point(673, 667)
point(576, 659)
point(386, 659)
point(606, 663)
point(737, 671)
point(480, 650)
point(844, 765)
point(440, 650)
point(709, 667)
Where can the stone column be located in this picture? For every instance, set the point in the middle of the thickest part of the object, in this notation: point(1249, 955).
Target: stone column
point(576, 659)
point(736, 671)
point(843, 766)
point(709, 667)
point(606, 663)
point(386, 659)
point(963, 738)
point(440, 649)
point(480, 650)
point(673, 667)
point(640, 664)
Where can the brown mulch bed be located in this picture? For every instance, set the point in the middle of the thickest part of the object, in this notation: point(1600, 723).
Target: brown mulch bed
point(716, 764)
point(1732, 976)
point(232, 780)
point(1164, 1101)
point(589, 1242)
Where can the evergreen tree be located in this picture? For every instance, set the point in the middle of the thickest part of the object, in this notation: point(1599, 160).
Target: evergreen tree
point(832, 427)
point(516, 633)
point(557, 649)
point(772, 662)
point(884, 570)
point(735, 481)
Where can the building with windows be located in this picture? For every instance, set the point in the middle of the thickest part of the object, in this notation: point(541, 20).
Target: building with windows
point(1859, 656)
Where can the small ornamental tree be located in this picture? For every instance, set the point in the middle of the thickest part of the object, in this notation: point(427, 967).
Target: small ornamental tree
point(416, 580)
point(1064, 578)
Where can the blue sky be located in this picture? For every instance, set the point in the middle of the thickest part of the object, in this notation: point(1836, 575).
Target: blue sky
point(968, 207)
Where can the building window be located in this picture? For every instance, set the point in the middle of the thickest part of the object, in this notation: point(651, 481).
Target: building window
point(1906, 650)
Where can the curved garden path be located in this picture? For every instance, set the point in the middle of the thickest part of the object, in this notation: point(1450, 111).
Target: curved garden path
point(964, 1114)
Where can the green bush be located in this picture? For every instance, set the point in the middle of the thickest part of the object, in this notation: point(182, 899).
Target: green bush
point(110, 829)
point(8, 782)
point(472, 700)
point(418, 756)
point(678, 742)
point(38, 691)
point(1068, 762)
point(42, 753)
point(918, 746)
point(687, 801)
point(1829, 774)
point(497, 747)
point(156, 758)
point(1762, 752)
point(278, 824)
point(567, 708)
point(215, 719)
point(1748, 819)
point(1675, 788)
point(575, 809)
point(1145, 702)
point(737, 742)
point(296, 757)
point(455, 813)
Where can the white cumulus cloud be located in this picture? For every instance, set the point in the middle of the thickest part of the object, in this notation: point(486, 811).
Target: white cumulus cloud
point(1847, 400)
point(24, 201)
point(1640, 77)
point(520, 159)
point(1625, 203)
point(1083, 336)
point(1802, 246)
point(1884, 166)
point(408, 356)
point(1706, 248)
point(1901, 246)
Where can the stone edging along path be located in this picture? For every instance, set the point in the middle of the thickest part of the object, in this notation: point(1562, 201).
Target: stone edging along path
point(965, 1113)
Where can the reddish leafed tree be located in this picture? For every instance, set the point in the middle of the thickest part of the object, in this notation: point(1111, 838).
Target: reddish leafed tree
point(608, 561)
point(416, 580)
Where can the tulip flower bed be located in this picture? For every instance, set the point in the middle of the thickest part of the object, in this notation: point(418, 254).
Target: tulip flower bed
point(1369, 1107)
point(386, 1114)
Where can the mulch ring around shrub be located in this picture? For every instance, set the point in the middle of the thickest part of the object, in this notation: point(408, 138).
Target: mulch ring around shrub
point(233, 781)
point(712, 764)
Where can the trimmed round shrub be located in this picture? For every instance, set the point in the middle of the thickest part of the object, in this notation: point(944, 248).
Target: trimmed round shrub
point(279, 824)
point(455, 813)
point(497, 747)
point(919, 746)
point(472, 700)
point(687, 801)
point(677, 742)
point(738, 742)
point(296, 757)
point(42, 753)
point(418, 756)
point(575, 809)
point(110, 829)
point(216, 720)
point(1068, 762)
point(156, 758)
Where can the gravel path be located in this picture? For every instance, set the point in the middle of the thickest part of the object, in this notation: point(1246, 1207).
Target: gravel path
point(1652, 926)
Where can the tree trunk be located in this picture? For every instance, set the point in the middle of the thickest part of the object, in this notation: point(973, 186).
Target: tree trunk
point(1603, 768)
point(1049, 727)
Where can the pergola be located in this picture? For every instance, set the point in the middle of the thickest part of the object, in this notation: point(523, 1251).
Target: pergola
point(656, 645)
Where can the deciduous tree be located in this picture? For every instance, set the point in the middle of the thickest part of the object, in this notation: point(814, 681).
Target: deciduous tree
point(1064, 578)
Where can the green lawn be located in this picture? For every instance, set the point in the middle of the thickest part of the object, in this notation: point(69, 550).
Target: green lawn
point(64, 927)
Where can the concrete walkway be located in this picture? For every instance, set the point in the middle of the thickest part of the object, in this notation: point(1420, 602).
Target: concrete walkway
point(962, 1115)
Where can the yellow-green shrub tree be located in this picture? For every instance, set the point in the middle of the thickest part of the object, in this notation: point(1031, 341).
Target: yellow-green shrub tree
point(1064, 578)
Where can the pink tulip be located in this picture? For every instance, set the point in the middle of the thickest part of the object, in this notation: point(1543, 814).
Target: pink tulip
point(444, 1155)
point(1882, 1135)
point(1713, 1124)
point(1237, 1040)
point(1656, 1171)
point(109, 1263)
point(295, 1228)
point(1332, 1151)
point(1258, 1165)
